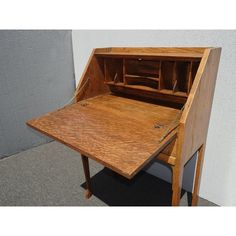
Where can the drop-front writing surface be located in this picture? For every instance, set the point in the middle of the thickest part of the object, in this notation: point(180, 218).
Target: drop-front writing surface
point(118, 132)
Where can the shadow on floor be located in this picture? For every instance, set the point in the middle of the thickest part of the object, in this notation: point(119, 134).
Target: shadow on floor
point(143, 190)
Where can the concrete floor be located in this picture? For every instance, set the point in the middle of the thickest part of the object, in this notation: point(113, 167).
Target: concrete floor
point(52, 175)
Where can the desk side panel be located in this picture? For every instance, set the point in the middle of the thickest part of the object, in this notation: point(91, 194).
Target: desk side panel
point(92, 80)
point(195, 119)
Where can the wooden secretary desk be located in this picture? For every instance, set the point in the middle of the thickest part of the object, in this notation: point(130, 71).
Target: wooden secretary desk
point(136, 104)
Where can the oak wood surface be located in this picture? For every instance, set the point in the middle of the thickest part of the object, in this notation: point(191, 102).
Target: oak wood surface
point(123, 133)
point(150, 78)
point(193, 126)
point(85, 162)
point(196, 115)
point(92, 80)
point(157, 52)
point(147, 92)
point(197, 177)
point(168, 154)
point(118, 132)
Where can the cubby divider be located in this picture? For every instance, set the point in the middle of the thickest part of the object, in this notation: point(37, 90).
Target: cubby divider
point(158, 76)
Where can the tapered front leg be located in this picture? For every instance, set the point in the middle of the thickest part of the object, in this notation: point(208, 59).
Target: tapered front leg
point(177, 177)
point(85, 161)
point(197, 176)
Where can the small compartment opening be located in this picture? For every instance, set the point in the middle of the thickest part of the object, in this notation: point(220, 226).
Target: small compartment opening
point(178, 76)
point(141, 72)
point(141, 81)
point(167, 75)
point(182, 70)
point(113, 68)
point(158, 78)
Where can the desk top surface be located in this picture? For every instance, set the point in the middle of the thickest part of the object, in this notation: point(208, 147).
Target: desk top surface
point(117, 132)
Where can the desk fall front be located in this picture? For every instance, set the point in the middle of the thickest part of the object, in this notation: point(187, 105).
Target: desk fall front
point(134, 105)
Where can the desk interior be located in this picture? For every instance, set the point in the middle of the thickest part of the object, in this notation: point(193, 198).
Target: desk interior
point(120, 133)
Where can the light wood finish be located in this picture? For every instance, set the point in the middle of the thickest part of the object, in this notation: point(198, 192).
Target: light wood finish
point(193, 127)
point(197, 175)
point(177, 178)
point(166, 158)
point(196, 115)
point(151, 50)
point(118, 132)
point(168, 154)
point(169, 53)
point(128, 99)
point(146, 92)
point(85, 162)
point(159, 79)
point(92, 80)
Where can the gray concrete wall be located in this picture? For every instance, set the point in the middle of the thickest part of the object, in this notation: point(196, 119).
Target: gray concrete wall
point(36, 76)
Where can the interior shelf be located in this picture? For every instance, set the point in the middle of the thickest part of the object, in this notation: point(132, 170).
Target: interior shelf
point(149, 77)
point(148, 89)
point(145, 88)
point(140, 76)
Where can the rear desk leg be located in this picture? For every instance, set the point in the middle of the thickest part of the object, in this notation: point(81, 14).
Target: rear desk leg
point(85, 161)
point(177, 177)
point(197, 175)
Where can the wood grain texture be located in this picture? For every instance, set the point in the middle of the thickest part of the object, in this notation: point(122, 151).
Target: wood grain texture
point(197, 176)
point(193, 127)
point(150, 78)
point(177, 178)
point(168, 159)
point(124, 134)
point(115, 131)
point(168, 154)
point(196, 115)
point(157, 52)
point(85, 162)
point(92, 80)
point(147, 92)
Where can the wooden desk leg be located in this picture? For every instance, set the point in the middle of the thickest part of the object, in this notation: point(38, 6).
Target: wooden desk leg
point(197, 175)
point(85, 161)
point(177, 177)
